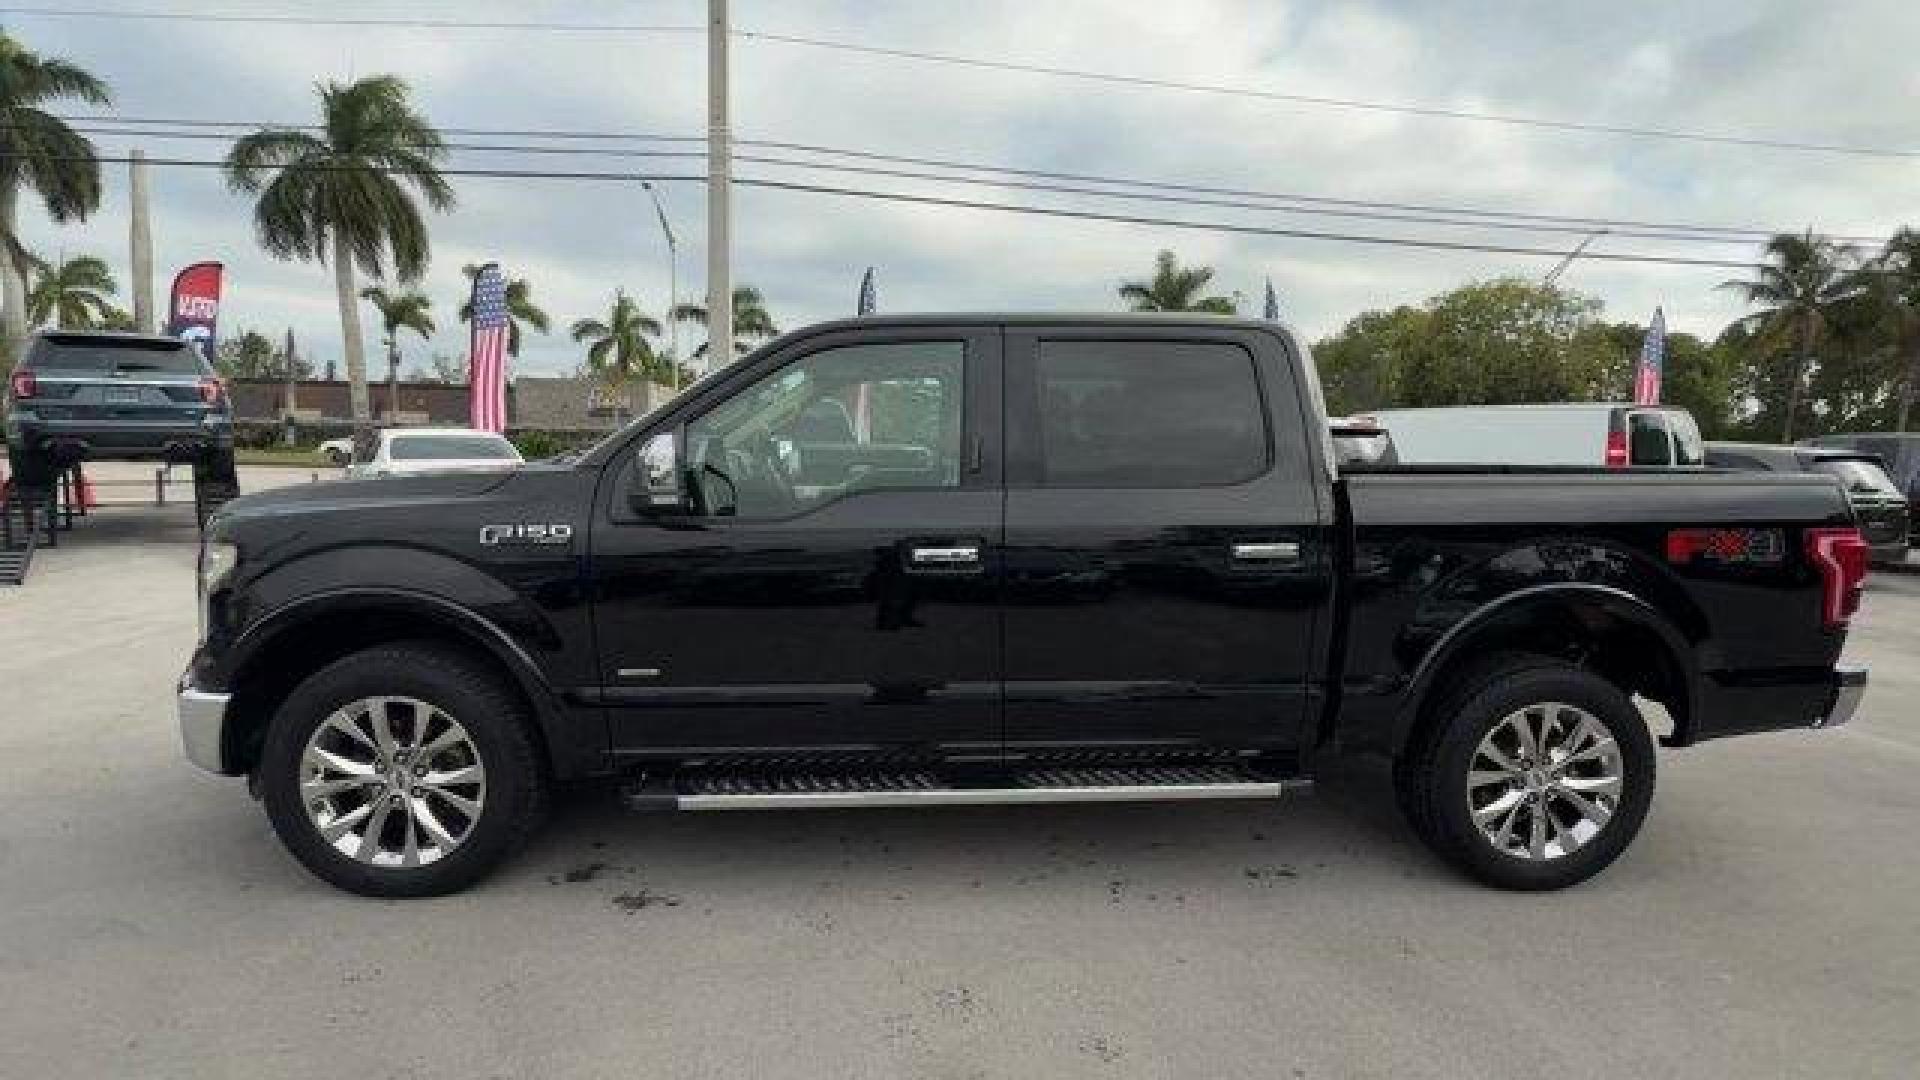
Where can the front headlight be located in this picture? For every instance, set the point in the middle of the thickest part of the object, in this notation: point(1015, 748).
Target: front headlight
point(217, 560)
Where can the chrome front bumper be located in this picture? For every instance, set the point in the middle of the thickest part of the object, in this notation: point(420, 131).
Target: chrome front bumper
point(203, 721)
point(1850, 685)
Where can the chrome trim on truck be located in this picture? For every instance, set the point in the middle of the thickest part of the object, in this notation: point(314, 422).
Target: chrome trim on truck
point(203, 718)
point(1850, 685)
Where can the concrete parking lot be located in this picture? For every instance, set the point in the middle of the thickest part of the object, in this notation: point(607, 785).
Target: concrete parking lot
point(150, 925)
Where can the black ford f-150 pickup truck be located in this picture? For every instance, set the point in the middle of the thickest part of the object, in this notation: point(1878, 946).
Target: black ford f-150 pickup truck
point(995, 559)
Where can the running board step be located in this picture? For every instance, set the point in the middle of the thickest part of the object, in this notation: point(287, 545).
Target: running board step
point(743, 790)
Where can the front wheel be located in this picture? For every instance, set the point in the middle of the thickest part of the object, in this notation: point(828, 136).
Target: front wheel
point(1533, 775)
point(402, 770)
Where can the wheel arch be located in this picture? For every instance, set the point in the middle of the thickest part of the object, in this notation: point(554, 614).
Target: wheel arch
point(1615, 633)
point(281, 651)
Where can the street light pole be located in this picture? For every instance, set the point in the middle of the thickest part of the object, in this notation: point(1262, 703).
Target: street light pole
point(719, 176)
point(1553, 275)
point(673, 282)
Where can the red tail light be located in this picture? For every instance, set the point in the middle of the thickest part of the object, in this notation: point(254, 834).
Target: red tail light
point(23, 385)
point(1840, 555)
point(1616, 449)
point(212, 391)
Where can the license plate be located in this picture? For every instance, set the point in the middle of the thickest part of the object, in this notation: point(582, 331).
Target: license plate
point(123, 395)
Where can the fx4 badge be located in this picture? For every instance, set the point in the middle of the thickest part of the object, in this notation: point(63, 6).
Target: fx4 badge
point(526, 533)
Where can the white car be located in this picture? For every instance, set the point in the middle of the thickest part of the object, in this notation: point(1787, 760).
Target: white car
point(407, 451)
point(336, 451)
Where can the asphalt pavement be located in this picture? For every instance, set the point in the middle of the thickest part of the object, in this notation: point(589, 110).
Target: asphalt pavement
point(151, 926)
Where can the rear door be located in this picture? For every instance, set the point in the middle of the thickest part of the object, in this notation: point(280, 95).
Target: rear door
point(1167, 558)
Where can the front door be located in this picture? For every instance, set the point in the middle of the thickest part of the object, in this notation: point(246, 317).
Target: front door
point(1168, 562)
point(830, 581)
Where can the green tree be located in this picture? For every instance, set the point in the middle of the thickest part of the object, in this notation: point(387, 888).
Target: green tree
point(751, 320)
point(72, 295)
point(1488, 343)
point(38, 153)
point(618, 349)
point(1175, 288)
point(521, 310)
point(343, 194)
point(1892, 285)
point(1805, 279)
point(252, 355)
point(403, 310)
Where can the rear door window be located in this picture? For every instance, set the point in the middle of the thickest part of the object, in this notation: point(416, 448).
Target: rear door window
point(1148, 414)
point(450, 448)
point(129, 359)
point(1647, 440)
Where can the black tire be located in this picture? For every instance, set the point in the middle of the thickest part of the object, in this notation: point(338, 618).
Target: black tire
point(1431, 775)
point(448, 679)
point(338, 459)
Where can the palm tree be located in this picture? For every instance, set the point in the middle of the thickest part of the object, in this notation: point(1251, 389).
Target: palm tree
point(343, 195)
point(38, 151)
point(73, 295)
point(751, 321)
point(1892, 281)
point(1806, 277)
point(619, 348)
point(520, 308)
point(1175, 288)
point(406, 310)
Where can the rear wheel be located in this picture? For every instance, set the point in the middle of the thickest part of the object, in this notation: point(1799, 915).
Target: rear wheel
point(1533, 774)
point(404, 770)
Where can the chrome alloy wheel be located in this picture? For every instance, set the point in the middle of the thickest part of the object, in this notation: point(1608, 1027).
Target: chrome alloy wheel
point(1544, 781)
point(392, 782)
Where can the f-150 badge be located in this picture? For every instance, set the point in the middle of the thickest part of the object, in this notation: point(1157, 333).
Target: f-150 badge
point(526, 533)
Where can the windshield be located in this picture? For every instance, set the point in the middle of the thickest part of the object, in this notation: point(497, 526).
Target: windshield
point(131, 357)
point(1857, 474)
point(451, 448)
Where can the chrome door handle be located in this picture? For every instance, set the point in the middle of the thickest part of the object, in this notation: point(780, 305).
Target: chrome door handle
point(945, 555)
point(1267, 552)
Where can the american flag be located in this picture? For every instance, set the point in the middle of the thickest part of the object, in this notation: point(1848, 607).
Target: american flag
point(1653, 350)
point(487, 363)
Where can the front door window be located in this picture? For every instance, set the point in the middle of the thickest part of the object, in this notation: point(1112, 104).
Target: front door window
point(832, 424)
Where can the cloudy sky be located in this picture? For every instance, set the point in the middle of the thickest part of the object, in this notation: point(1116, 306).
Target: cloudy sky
point(1836, 73)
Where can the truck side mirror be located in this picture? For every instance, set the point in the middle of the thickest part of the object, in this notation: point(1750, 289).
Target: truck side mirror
point(658, 485)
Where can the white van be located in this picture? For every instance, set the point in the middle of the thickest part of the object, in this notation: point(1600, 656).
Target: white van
point(1590, 434)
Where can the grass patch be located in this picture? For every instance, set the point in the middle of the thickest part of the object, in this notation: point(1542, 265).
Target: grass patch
point(281, 455)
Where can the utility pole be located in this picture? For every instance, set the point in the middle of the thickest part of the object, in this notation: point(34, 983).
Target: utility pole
point(719, 177)
point(293, 389)
point(141, 239)
point(673, 283)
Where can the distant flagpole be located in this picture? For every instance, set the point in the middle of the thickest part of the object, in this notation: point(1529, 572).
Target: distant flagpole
point(863, 393)
point(1273, 303)
point(1648, 372)
point(487, 356)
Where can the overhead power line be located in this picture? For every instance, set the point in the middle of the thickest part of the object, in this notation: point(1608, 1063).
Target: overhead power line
point(1285, 202)
point(982, 63)
point(1041, 211)
point(330, 20)
point(1434, 111)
